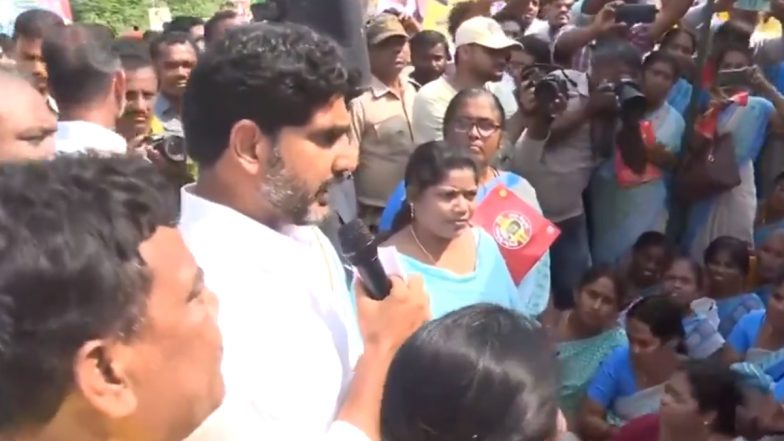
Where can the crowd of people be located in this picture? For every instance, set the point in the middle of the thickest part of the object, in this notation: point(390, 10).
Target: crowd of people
point(168, 202)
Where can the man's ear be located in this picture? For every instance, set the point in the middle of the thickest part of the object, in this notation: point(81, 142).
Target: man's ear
point(249, 145)
point(118, 89)
point(102, 378)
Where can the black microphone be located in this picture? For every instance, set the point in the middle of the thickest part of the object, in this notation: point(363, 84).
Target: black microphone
point(359, 248)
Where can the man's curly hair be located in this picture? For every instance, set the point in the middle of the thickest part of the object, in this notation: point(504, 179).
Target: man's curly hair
point(277, 75)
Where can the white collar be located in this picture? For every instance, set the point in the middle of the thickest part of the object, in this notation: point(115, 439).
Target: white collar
point(196, 210)
point(85, 136)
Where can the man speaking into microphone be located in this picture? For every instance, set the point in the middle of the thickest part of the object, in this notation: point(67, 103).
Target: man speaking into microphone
point(266, 120)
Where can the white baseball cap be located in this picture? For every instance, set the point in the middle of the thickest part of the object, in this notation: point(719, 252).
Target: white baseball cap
point(485, 32)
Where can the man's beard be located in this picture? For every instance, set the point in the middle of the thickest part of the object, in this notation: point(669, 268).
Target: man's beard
point(285, 192)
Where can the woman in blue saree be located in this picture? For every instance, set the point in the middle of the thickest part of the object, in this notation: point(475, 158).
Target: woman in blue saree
point(630, 381)
point(727, 265)
point(474, 120)
point(684, 284)
point(587, 334)
point(732, 212)
point(770, 263)
point(682, 44)
point(620, 214)
point(770, 216)
point(758, 337)
point(461, 265)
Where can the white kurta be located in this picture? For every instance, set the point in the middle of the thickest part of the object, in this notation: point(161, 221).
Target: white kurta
point(290, 336)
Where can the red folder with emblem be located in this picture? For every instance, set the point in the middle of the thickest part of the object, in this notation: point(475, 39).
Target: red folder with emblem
point(523, 235)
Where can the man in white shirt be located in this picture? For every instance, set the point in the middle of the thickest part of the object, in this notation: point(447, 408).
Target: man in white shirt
point(87, 81)
point(482, 53)
point(266, 121)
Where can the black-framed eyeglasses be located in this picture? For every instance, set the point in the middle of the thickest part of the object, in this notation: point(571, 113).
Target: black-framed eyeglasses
point(484, 127)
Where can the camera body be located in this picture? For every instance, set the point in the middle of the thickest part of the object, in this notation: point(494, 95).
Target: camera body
point(171, 147)
point(631, 100)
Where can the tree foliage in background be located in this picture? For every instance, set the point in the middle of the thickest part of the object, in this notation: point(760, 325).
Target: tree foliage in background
point(121, 15)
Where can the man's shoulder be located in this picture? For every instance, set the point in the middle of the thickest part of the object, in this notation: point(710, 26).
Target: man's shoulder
point(434, 90)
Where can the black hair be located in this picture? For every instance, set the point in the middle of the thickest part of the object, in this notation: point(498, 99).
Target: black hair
point(673, 33)
point(134, 54)
point(614, 50)
point(717, 389)
point(468, 94)
point(170, 39)
point(150, 35)
point(183, 23)
point(730, 33)
point(732, 47)
point(289, 65)
point(479, 373)
point(536, 47)
point(696, 269)
point(81, 65)
point(429, 165)
point(423, 41)
point(659, 56)
point(737, 249)
point(460, 12)
point(651, 239)
point(214, 21)
point(35, 23)
point(662, 316)
point(101, 31)
point(606, 272)
point(70, 270)
point(504, 15)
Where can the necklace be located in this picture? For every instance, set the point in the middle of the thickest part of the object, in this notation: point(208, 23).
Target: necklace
point(421, 247)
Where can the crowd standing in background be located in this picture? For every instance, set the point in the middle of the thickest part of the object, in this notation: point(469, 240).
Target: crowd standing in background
point(163, 275)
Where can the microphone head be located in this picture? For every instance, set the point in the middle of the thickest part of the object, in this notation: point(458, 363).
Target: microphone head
point(354, 238)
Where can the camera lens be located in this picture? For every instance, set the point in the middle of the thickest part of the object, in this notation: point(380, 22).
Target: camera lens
point(174, 148)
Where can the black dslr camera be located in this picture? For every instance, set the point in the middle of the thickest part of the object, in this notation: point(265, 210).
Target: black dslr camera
point(631, 100)
point(171, 147)
point(548, 86)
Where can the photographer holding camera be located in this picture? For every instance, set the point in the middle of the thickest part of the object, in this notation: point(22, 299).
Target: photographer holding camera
point(556, 152)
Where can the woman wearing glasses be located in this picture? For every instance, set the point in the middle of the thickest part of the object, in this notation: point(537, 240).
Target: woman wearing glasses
point(474, 120)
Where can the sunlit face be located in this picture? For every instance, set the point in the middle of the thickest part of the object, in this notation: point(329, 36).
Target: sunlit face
point(175, 366)
point(30, 60)
point(445, 209)
point(648, 265)
point(679, 412)
point(597, 304)
point(770, 257)
point(141, 87)
point(680, 283)
point(305, 161)
point(174, 66)
point(558, 12)
point(27, 125)
point(477, 126)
